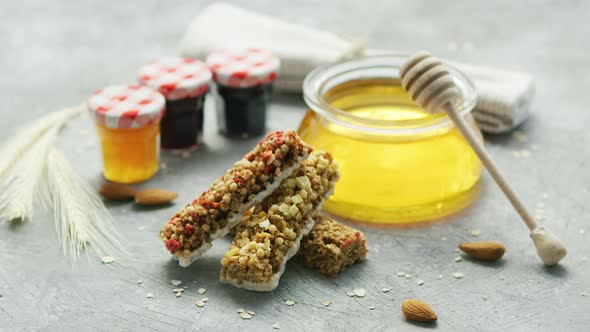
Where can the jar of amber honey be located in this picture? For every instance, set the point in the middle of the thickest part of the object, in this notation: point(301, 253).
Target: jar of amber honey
point(399, 163)
point(184, 83)
point(128, 123)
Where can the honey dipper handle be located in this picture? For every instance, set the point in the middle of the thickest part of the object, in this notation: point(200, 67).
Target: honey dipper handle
point(486, 159)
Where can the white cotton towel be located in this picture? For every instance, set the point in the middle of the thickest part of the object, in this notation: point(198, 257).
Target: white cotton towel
point(504, 97)
point(300, 49)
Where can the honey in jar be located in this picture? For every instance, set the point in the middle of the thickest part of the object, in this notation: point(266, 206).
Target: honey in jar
point(399, 164)
point(128, 124)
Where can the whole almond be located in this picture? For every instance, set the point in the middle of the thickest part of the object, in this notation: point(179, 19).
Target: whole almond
point(418, 311)
point(486, 251)
point(154, 197)
point(117, 191)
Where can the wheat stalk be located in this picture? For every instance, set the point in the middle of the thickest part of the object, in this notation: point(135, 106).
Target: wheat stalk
point(80, 215)
point(27, 136)
point(22, 164)
point(32, 170)
point(20, 183)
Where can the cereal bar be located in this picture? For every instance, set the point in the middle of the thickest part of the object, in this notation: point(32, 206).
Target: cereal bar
point(330, 246)
point(271, 234)
point(188, 234)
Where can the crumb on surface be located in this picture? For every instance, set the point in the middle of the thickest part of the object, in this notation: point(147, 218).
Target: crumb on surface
point(245, 315)
point(107, 259)
point(360, 292)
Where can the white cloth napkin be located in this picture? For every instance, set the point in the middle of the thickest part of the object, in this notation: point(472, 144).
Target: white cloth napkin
point(504, 97)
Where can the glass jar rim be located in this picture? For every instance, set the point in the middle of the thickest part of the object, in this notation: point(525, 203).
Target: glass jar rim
point(317, 83)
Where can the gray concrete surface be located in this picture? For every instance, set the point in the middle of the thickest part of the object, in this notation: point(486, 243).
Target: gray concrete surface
point(55, 53)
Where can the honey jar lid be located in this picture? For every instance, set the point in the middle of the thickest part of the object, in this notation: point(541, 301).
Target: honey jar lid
point(176, 78)
point(243, 68)
point(126, 106)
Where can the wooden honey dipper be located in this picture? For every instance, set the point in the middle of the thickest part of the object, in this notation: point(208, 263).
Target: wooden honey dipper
point(429, 83)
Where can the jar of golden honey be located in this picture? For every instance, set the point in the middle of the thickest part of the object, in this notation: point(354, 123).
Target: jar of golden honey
point(399, 163)
point(128, 123)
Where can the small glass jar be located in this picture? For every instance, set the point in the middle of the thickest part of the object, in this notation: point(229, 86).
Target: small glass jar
point(399, 164)
point(128, 125)
point(184, 83)
point(244, 86)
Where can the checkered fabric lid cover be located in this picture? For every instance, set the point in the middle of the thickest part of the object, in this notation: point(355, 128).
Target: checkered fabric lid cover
point(243, 68)
point(126, 106)
point(176, 78)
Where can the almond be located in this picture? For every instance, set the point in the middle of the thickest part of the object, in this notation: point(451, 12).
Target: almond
point(154, 197)
point(418, 311)
point(486, 251)
point(117, 191)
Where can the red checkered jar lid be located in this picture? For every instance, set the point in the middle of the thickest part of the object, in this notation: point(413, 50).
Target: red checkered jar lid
point(176, 78)
point(243, 68)
point(126, 106)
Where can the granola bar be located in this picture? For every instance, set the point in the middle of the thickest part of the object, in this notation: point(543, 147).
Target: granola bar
point(271, 234)
point(188, 234)
point(330, 247)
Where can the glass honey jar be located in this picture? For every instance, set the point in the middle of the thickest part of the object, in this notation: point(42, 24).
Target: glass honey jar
point(399, 163)
point(128, 124)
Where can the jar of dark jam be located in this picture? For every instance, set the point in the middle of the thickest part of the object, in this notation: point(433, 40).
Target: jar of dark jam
point(244, 85)
point(184, 83)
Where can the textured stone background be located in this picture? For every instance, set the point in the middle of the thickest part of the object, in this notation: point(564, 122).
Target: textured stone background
point(55, 53)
